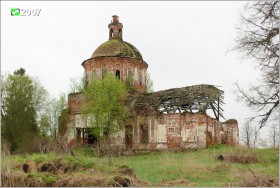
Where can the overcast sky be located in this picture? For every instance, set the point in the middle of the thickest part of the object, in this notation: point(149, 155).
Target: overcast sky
point(184, 43)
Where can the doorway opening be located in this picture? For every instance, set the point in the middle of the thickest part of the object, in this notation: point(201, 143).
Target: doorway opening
point(128, 137)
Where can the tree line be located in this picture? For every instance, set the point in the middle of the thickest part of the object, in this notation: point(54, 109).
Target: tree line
point(28, 113)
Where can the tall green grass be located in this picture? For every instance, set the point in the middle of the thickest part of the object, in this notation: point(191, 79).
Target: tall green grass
point(200, 167)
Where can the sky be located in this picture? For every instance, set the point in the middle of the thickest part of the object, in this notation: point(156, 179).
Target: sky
point(184, 43)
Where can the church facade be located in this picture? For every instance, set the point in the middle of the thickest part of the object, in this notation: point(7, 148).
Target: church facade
point(160, 120)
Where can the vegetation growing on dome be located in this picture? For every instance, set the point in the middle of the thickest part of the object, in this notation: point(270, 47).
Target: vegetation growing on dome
point(117, 48)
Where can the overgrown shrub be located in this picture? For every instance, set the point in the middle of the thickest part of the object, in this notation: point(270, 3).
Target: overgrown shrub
point(241, 156)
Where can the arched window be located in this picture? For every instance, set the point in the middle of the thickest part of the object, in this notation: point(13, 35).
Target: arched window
point(110, 33)
point(104, 72)
point(92, 76)
point(130, 77)
point(144, 134)
point(128, 136)
point(118, 74)
point(140, 78)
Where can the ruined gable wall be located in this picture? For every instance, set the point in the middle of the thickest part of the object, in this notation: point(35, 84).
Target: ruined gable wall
point(232, 132)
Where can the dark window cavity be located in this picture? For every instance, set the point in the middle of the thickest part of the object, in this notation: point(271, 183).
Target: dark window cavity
point(140, 78)
point(144, 134)
point(104, 72)
point(118, 74)
point(130, 77)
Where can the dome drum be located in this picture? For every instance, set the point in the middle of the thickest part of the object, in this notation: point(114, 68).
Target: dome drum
point(127, 67)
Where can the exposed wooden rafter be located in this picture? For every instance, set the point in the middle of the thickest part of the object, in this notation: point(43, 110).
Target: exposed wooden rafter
point(180, 100)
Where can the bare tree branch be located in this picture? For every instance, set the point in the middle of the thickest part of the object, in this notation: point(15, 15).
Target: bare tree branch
point(258, 39)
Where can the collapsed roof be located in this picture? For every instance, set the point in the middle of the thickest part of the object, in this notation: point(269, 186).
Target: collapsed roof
point(180, 100)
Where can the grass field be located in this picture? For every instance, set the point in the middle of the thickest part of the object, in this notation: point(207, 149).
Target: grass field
point(201, 167)
point(191, 168)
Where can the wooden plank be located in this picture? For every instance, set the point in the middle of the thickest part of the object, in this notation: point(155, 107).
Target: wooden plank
point(218, 109)
point(214, 110)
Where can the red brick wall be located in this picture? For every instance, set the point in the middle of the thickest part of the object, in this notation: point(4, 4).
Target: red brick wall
point(111, 64)
point(232, 132)
point(75, 101)
point(208, 131)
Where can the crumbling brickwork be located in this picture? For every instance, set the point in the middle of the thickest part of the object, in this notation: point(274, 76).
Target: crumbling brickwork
point(131, 68)
point(188, 130)
point(174, 118)
point(75, 102)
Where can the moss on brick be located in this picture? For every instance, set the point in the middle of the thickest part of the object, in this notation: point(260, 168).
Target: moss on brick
point(117, 48)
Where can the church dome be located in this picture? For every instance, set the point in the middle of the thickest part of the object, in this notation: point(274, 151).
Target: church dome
point(118, 57)
point(116, 47)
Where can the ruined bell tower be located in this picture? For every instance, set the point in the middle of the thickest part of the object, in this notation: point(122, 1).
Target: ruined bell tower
point(115, 28)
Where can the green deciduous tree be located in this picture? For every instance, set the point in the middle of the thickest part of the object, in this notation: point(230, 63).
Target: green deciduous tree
point(22, 99)
point(258, 39)
point(44, 125)
point(104, 106)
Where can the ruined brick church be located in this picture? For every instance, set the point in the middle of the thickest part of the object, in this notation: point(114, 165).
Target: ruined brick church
point(161, 120)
